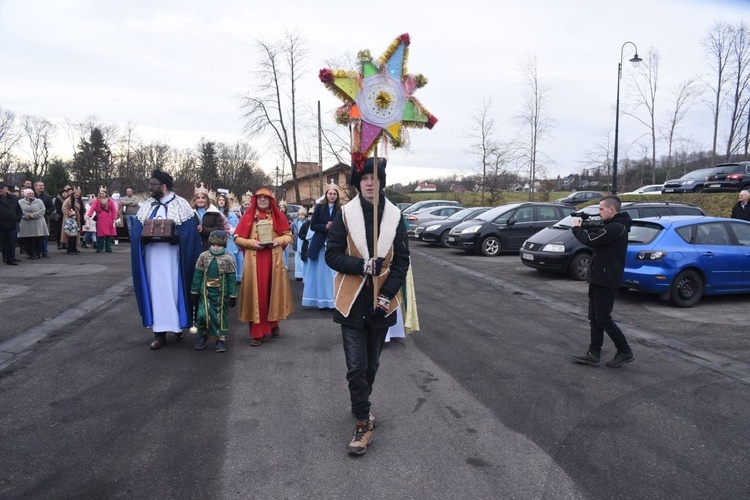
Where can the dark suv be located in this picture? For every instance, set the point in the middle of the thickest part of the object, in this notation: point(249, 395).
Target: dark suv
point(728, 177)
point(504, 228)
point(579, 198)
point(556, 250)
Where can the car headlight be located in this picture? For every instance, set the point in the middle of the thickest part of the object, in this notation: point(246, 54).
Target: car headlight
point(471, 229)
point(553, 247)
point(651, 255)
point(432, 228)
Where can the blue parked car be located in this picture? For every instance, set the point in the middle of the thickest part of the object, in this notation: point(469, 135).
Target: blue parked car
point(682, 258)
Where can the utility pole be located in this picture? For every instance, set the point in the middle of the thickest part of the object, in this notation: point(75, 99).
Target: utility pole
point(320, 151)
point(278, 190)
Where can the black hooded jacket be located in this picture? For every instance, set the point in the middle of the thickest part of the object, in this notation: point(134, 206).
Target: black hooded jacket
point(610, 244)
point(339, 260)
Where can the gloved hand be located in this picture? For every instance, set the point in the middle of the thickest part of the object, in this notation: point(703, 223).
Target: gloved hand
point(194, 300)
point(232, 301)
point(384, 303)
point(373, 266)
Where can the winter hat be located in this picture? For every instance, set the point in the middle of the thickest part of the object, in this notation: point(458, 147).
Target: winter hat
point(217, 237)
point(368, 169)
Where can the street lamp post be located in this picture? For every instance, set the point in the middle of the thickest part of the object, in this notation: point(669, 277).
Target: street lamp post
point(636, 61)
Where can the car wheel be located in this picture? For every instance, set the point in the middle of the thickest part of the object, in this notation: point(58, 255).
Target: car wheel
point(699, 189)
point(579, 266)
point(687, 289)
point(491, 246)
point(444, 238)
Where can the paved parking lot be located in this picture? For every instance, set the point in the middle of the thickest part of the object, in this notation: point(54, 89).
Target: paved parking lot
point(717, 324)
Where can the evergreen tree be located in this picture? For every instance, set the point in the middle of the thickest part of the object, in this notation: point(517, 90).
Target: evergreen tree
point(92, 163)
point(57, 176)
point(208, 165)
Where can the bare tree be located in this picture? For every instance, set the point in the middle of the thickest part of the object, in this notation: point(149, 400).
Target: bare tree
point(683, 98)
point(234, 162)
point(717, 44)
point(39, 132)
point(598, 156)
point(535, 125)
point(498, 178)
point(482, 132)
point(10, 135)
point(273, 104)
point(645, 86)
point(739, 81)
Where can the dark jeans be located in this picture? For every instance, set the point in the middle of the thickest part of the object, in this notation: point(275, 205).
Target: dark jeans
point(601, 302)
point(129, 221)
point(362, 350)
point(8, 243)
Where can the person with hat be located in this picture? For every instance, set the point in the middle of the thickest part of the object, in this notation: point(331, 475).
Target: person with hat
point(213, 292)
point(33, 227)
point(208, 216)
point(318, 288)
point(105, 212)
point(163, 271)
point(234, 215)
point(10, 216)
point(369, 276)
point(299, 241)
point(265, 295)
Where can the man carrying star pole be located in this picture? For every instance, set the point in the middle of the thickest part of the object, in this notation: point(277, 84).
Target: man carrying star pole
point(360, 278)
point(163, 271)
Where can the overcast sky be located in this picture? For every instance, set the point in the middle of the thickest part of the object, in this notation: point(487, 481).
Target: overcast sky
point(175, 68)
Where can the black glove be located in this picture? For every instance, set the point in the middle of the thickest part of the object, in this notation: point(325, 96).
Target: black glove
point(384, 303)
point(194, 300)
point(373, 266)
point(232, 301)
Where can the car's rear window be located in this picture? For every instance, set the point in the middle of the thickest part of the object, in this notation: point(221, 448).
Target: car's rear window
point(724, 170)
point(643, 232)
point(687, 211)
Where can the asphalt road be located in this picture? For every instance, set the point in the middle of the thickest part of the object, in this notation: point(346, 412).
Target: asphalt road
point(483, 402)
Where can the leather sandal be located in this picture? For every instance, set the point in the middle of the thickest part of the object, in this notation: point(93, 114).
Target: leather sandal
point(256, 342)
point(275, 332)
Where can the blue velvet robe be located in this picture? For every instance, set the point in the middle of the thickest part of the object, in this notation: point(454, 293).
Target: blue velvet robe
point(190, 249)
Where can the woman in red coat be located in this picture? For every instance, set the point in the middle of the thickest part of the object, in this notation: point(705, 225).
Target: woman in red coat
point(106, 215)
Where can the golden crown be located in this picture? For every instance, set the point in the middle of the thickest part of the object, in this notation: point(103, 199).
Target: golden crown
point(201, 189)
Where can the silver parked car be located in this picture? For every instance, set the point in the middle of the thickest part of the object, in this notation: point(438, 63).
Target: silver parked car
point(429, 214)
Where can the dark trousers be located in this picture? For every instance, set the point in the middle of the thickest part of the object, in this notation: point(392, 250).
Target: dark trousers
point(71, 245)
point(34, 246)
point(8, 243)
point(362, 349)
point(104, 243)
point(601, 302)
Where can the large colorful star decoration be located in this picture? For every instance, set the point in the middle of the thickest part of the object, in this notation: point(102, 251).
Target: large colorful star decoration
point(378, 99)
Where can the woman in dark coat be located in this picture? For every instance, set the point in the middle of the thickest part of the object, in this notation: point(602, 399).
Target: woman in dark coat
point(318, 289)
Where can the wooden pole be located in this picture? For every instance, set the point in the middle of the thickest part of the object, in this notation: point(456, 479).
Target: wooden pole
point(375, 226)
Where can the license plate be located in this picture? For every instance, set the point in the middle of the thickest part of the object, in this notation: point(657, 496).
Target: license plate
point(713, 185)
point(527, 256)
point(668, 190)
point(452, 239)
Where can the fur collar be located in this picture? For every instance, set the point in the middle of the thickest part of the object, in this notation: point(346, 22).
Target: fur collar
point(355, 221)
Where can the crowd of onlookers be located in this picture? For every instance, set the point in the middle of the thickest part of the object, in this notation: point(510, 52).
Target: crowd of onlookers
point(31, 218)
